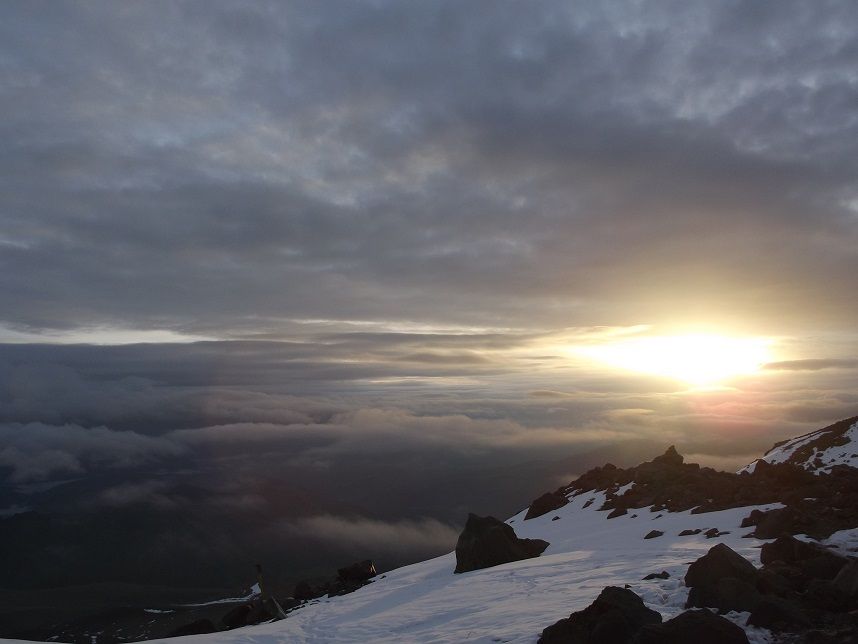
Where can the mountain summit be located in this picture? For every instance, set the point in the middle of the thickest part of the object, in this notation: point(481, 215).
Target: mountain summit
point(818, 452)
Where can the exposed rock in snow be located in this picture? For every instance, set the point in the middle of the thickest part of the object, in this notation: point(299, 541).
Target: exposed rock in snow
point(487, 542)
point(819, 451)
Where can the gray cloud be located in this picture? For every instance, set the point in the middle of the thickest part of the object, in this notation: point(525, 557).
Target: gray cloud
point(36, 451)
point(220, 168)
point(390, 538)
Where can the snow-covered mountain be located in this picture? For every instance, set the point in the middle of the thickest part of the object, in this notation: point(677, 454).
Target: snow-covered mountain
point(817, 451)
point(637, 529)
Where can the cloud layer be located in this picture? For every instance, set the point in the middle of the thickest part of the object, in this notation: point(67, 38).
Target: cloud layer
point(228, 168)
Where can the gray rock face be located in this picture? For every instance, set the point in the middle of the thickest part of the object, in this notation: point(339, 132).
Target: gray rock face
point(487, 542)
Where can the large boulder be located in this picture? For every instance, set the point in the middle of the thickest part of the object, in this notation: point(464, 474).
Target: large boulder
point(545, 504)
point(721, 561)
point(726, 594)
point(697, 626)
point(815, 562)
point(614, 617)
point(778, 614)
point(487, 542)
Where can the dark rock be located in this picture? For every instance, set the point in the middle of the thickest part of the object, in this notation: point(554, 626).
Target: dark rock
point(778, 614)
point(652, 534)
point(770, 582)
point(358, 572)
point(693, 626)
point(720, 562)
point(237, 617)
point(614, 617)
point(657, 575)
point(712, 533)
point(813, 561)
point(555, 518)
point(781, 521)
point(671, 457)
point(752, 519)
point(727, 594)
point(304, 591)
point(198, 627)
point(846, 580)
point(545, 504)
point(487, 542)
point(617, 512)
point(823, 595)
point(688, 533)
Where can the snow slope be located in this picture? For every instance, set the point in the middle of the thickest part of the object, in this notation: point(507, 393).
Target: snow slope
point(818, 451)
point(426, 602)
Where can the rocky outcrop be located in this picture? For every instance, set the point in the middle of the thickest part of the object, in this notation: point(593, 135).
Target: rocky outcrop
point(357, 573)
point(803, 589)
point(615, 617)
point(697, 626)
point(546, 503)
point(487, 542)
point(348, 580)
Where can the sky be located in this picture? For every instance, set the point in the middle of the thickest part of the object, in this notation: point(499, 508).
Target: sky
point(389, 227)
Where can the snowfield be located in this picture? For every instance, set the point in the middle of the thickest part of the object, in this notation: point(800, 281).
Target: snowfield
point(426, 602)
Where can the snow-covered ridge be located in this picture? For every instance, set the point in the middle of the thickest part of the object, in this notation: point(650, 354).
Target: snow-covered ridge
point(818, 451)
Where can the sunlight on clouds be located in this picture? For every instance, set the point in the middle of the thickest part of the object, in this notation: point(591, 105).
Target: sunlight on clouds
point(697, 359)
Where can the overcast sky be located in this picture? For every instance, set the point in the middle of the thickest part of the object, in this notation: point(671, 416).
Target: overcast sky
point(418, 205)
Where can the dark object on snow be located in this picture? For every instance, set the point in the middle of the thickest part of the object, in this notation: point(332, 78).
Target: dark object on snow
point(614, 617)
point(652, 534)
point(617, 512)
point(722, 579)
point(814, 561)
point(711, 533)
point(657, 575)
point(726, 594)
point(688, 533)
point(693, 626)
point(487, 542)
point(721, 561)
point(357, 572)
point(545, 504)
point(199, 627)
point(555, 518)
point(778, 614)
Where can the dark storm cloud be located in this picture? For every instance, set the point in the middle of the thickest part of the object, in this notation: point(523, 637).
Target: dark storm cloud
point(220, 168)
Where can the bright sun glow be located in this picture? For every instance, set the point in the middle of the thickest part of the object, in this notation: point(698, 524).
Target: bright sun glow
point(696, 359)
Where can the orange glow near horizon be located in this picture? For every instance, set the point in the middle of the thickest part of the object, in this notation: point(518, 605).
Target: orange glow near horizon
point(697, 359)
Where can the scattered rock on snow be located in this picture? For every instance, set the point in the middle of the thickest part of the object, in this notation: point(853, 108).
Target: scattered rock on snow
point(657, 575)
point(652, 534)
point(545, 504)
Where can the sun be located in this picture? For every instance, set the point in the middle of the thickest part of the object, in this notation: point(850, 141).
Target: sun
point(696, 359)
